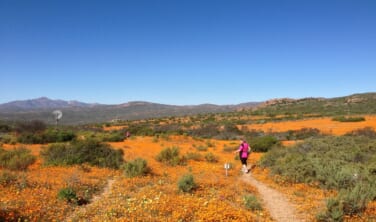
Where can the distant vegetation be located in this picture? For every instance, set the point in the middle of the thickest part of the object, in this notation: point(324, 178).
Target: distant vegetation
point(348, 119)
point(357, 104)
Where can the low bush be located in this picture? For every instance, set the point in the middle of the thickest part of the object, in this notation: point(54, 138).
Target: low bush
point(263, 143)
point(47, 136)
point(367, 131)
point(193, 156)
point(250, 201)
point(32, 126)
point(170, 156)
point(29, 138)
point(17, 159)
point(202, 148)
point(5, 128)
point(6, 138)
point(303, 133)
point(355, 199)
point(343, 163)
point(114, 136)
point(209, 130)
point(56, 136)
point(349, 202)
point(88, 151)
point(187, 183)
point(211, 158)
point(141, 129)
point(137, 167)
point(7, 178)
point(67, 194)
point(348, 119)
point(333, 211)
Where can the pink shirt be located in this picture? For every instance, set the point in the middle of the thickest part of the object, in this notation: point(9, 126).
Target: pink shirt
point(243, 148)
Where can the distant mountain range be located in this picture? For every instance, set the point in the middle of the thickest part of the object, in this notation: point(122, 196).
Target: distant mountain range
point(75, 112)
point(41, 103)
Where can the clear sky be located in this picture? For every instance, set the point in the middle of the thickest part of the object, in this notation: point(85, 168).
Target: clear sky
point(186, 52)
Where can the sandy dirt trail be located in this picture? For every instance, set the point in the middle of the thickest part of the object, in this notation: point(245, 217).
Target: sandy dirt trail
point(280, 209)
point(82, 210)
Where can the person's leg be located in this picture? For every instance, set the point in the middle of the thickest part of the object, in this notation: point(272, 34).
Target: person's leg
point(244, 165)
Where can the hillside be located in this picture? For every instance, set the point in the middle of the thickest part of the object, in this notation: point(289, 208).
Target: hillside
point(353, 104)
point(75, 112)
point(81, 113)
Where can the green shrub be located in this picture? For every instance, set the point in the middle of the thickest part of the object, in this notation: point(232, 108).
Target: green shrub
point(210, 144)
point(303, 133)
point(137, 167)
point(333, 213)
point(7, 178)
point(29, 138)
point(17, 159)
point(208, 130)
point(5, 138)
point(271, 157)
point(250, 201)
point(47, 136)
point(354, 200)
point(33, 126)
point(263, 143)
point(348, 202)
point(348, 119)
point(5, 128)
point(211, 158)
point(296, 168)
point(170, 156)
point(367, 131)
point(88, 151)
point(114, 136)
point(53, 136)
point(187, 183)
point(344, 163)
point(202, 148)
point(68, 194)
point(193, 156)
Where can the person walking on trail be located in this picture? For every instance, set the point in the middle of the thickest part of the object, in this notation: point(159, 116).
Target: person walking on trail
point(127, 134)
point(243, 151)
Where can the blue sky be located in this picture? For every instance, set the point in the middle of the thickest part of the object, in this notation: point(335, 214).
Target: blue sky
point(186, 52)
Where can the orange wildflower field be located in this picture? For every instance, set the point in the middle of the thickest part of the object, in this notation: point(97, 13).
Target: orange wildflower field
point(156, 197)
point(151, 198)
point(326, 125)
